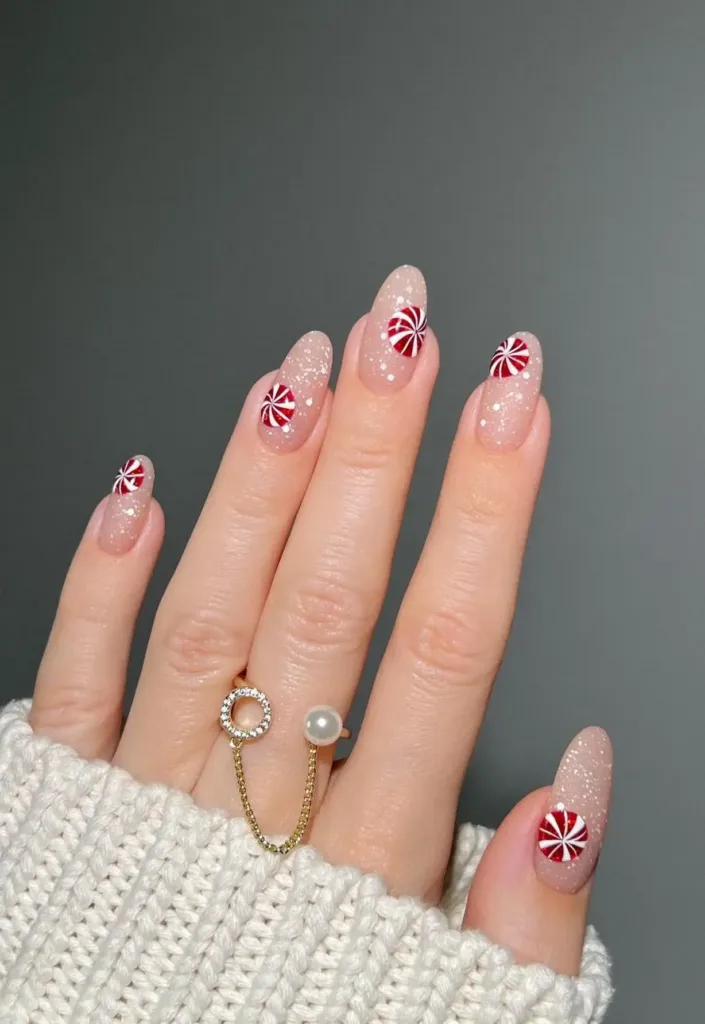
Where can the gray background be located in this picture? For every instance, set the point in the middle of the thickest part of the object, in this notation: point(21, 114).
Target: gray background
point(188, 187)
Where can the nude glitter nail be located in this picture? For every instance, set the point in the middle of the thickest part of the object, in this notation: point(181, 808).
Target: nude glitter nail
point(570, 834)
point(127, 507)
point(511, 393)
point(395, 332)
point(292, 405)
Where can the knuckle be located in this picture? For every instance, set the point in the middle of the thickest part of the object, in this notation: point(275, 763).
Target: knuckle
point(200, 644)
point(253, 507)
point(328, 613)
point(481, 510)
point(450, 647)
point(73, 707)
point(89, 610)
point(365, 450)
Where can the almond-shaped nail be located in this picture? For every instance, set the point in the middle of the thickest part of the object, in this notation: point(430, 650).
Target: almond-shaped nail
point(395, 331)
point(127, 507)
point(293, 403)
point(571, 832)
point(511, 392)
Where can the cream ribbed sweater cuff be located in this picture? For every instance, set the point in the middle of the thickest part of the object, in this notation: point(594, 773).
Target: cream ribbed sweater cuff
point(122, 903)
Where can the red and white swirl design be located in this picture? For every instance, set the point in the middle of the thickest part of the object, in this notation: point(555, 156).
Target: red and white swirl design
point(130, 477)
point(278, 406)
point(511, 358)
point(407, 329)
point(563, 835)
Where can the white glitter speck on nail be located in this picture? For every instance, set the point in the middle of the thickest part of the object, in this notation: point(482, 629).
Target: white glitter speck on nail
point(526, 375)
point(285, 428)
point(309, 401)
point(496, 407)
point(483, 423)
point(390, 376)
point(383, 335)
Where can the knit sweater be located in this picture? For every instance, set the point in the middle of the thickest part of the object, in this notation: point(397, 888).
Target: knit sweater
point(123, 903)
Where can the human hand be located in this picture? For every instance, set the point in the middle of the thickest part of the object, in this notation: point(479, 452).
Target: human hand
point(284, 576)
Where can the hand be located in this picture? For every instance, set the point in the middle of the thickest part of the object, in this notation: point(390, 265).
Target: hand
point(284, 577)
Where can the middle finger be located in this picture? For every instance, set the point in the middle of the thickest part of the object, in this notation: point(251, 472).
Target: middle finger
point(313, 635)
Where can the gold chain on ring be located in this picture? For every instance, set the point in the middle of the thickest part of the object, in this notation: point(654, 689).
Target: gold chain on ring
point(322, 726)
point(304, 814)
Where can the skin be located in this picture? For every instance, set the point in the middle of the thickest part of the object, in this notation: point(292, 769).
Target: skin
point(285, 575)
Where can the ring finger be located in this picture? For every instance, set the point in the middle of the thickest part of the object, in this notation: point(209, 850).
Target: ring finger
point(205, 623)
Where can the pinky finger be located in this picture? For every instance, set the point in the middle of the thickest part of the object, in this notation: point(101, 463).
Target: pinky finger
point(532, 886)
point(80, 684)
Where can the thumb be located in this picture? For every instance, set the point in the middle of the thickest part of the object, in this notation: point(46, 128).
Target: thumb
point(532, 887)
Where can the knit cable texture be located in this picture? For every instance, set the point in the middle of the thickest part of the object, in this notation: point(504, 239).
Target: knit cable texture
point(122, 903)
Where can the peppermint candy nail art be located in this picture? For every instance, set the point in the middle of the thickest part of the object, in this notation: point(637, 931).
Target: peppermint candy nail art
point(563, 835)
point(511, 358)
point(406, 330)
point(278, 406)
point(130, 477)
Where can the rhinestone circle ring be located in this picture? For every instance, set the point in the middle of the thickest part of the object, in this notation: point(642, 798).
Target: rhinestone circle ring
point(322, 727)
point(226, 714)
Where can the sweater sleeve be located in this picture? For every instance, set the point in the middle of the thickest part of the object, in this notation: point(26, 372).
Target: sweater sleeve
point(122, 903)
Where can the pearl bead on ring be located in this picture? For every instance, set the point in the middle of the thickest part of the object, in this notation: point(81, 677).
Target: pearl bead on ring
point(322, 727)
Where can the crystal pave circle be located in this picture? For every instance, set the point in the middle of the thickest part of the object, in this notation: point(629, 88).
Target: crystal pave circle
point(226, 714)
point(238, 739)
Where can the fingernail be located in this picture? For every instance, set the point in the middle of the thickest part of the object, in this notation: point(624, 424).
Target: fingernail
point(127, 507)
point(570, 834)
point(511, 392)
point(293, 403)
point(395, 331)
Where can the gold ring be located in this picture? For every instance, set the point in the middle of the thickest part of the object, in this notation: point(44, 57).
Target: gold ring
point(322, 726)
